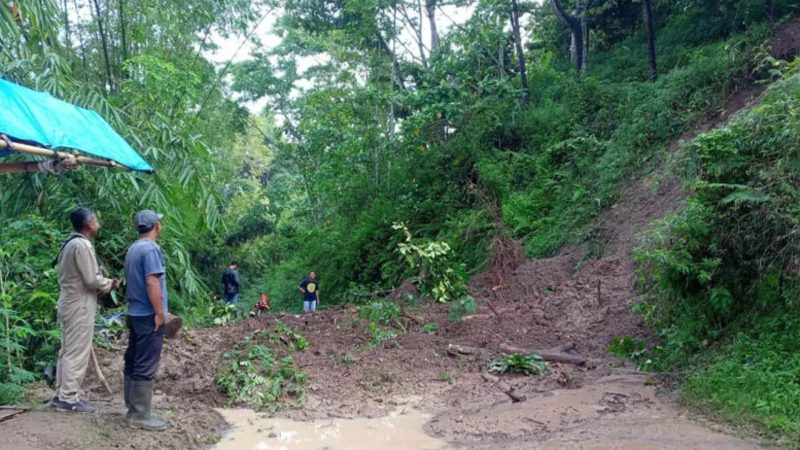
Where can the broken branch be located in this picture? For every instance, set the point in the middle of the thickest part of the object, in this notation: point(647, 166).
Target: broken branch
point(554, 355)
point(505, 388)
point(455, 350)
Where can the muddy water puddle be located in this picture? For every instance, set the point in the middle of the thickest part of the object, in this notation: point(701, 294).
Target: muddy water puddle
point(400, 430)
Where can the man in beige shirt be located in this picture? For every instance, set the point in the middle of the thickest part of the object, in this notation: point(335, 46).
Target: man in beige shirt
point(80, 280)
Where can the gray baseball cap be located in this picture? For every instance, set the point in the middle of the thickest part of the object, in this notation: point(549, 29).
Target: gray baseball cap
point(146, 220)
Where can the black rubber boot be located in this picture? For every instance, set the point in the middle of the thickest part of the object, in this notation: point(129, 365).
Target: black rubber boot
point(141, 398)
point(128, 382)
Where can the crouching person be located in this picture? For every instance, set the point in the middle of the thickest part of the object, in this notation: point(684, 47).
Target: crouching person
point(147, 305)
point(261, 306)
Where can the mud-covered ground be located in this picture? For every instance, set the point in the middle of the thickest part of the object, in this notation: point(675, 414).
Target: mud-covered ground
point(582, 296)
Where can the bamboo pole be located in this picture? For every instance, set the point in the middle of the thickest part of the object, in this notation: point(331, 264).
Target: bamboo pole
point(100, 375)
point(39, 151)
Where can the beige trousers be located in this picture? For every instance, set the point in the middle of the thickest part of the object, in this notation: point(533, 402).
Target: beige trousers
point(76, 316)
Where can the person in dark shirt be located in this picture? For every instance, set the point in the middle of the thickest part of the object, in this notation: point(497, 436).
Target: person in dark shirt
point(231, 284)
point(310, 289)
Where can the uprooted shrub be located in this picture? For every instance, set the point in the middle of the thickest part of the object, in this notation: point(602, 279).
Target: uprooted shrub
point(384, 321)
point(439, 275)
point(531, 364)
point(259, 371)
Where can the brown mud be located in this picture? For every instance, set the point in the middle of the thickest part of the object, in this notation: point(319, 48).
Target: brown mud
point(786, 42)
point(581, 296)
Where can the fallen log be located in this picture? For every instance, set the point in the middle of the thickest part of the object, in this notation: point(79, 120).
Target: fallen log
point(489, 304)
point(477, 317)
point(455, 350)
point(414, 319)
point(495, 314)
point(553, 355)
point(505, 388)
point(564, 347)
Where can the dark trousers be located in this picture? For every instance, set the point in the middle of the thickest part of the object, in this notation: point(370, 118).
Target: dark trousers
point(144, 348)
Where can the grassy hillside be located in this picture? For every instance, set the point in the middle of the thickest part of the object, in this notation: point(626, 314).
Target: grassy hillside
point(724, 274)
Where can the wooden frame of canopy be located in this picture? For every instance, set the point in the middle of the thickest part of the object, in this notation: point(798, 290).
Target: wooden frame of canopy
point(39, 151)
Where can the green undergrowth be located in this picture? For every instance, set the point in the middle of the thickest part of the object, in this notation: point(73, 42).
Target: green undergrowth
point(260, 372)
point(531, 364)
point(634, 349)
point(753, 379)
point(429, 328)
point(720, 277)
point(11, 393)
point(461, 308)
point(29, 333)
point(383, 321)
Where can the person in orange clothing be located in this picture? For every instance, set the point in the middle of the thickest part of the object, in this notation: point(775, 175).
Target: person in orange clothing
point(261, 306)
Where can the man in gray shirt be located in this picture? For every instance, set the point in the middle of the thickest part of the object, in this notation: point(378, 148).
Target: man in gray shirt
point(145, 273)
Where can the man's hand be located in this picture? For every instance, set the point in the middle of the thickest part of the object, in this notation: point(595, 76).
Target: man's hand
point(154, 294)
point(69, 162)
point(159, 320)
point(58, 166)
point(114, 283)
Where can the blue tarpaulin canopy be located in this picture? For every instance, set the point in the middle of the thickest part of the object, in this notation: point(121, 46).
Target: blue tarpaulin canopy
point(31, 117)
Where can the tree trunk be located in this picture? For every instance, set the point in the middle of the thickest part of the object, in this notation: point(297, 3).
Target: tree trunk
point(585, 33)
point(124, 43)
point(501, 58)
point(420, 40)
point(430, 6)
point(523, 77)
point(397, 77)
point(647, 9)
point(104, 41)
point(68, 39)
point(80, 36)
point(576, 30)
point(769, 6)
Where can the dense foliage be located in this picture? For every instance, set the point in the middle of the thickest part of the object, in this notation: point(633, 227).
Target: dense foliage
point(139, 65)
point(724, 270)
point(449, 148)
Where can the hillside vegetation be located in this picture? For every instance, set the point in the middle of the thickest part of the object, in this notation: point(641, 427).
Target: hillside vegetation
point(722, 273)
